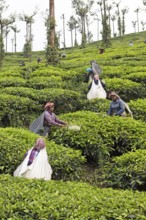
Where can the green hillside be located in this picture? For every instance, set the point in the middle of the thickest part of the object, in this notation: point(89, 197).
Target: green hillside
point(99, 172)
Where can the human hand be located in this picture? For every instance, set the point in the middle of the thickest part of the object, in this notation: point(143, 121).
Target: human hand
point(61, 125)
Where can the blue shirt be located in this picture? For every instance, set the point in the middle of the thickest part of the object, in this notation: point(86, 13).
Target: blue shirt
point(116, 108)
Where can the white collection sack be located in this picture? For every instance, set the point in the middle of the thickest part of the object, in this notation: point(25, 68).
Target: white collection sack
point(74, 127)
point(96, 91)
point(39, 169)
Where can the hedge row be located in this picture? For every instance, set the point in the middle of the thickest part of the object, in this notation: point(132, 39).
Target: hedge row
point(56, 200)
point(11, 81)
point(101, 136)
point(20, 111)
point(15, 111)
point(127, 89)
point(48, 71)
point(11, 72)
point(139, 77)
point(121, 70)
point(138, 108)
point(20, 105)
point(66, 163)
point(126, 171)
point(45, 82)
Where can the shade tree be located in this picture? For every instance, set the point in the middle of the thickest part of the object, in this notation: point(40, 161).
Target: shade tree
point(4, 23)
point(51, 50)
point(29, 20)
point(124, 11)
point(137, 11)
point(82, 9)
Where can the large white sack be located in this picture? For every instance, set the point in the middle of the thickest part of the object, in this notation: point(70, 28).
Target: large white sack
point(96, 91)
point(39, 169)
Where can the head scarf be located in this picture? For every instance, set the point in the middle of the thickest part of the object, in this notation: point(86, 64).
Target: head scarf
point(40, 143)
point(114, 94)
point(49, 105)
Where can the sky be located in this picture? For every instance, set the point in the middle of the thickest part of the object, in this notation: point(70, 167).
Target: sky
point(61, 7)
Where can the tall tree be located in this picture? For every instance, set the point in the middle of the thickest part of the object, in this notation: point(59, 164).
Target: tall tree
point(119, 17)
point(106, 29)
point(51, 51)
point(100, 3)
point(134, 25)
point(144, 2)
point(70, 24)
point(76, 26)
point(143, 25)
point(64, 38)
point(14, 28)
point(89, 34)
point(4, 22)
point(97, 19)
point(29, 20)
point(82, 9)
point(105, 23)
point(124, 11)
point(113, 18)
point(51, 38)
point(137, 10)
point(6, 32)
point(109, 7)
point(58, 34)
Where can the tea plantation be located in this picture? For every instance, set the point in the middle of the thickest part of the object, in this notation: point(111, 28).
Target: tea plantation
point(99, 172)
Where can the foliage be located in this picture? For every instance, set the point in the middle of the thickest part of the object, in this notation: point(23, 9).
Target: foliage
point(11, 81)
point(26, 89)
point(95, 105)
point(27, 49)
point(101, 136)
point(106, 42)
point(52, 55)
point(44, 82)
point(139, 77)
point(66, 200)
point(12, 72)
point(126, 171)
point(82, 9)
point(127, 90)
point(2, 54)
point(138, 108)
point(66, 163)
point(15, 111)
point(24, 104)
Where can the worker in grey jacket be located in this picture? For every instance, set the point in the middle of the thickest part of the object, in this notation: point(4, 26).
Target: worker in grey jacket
point(117, 106)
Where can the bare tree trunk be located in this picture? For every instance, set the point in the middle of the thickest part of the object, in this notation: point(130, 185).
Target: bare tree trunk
point(113, 29)
point(52, 24)
point(71, 38)
point(15, 40)
point(64, 43)
point(137, 22)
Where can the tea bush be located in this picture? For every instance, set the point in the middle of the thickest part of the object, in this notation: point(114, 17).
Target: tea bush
point(11, 81)
point(55, 200)
point(45, 82)
point(138, 108)
point(101, 136)
point(66, 163)
point(139, 77)
point(127, 171)
point(21, 91)
point(127, 89)
point(15, 110)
